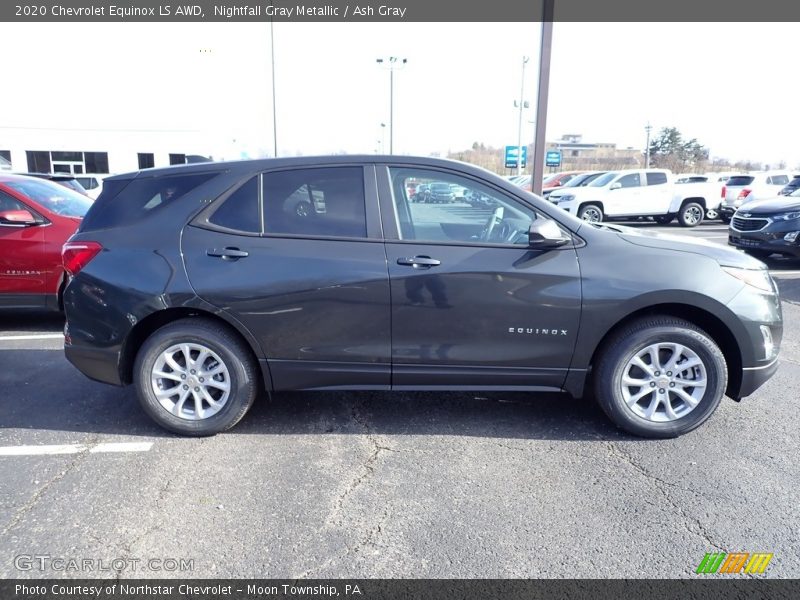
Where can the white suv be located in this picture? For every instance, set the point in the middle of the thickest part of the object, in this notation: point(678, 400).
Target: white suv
point(92, 183)
point(740, 189)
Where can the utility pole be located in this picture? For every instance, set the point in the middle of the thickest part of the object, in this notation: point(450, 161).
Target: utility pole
point(548, 10)
point(392, 63)
point(647, 128)
point(525, 60)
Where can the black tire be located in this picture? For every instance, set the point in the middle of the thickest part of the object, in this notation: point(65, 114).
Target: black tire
point(724, 218)
point(615, 361)
point(691, 214)
point(241, 375)
point(663, 219)
point(591, 212)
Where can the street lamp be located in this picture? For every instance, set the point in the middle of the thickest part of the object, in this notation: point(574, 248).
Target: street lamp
point(647, 128)
point(391, 63)
point(522, 104)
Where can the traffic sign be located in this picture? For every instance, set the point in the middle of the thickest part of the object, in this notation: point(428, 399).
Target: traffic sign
point(512, 153)
point(552, 158)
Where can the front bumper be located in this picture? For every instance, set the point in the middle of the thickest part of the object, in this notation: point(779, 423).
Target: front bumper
point(770, 239)
point(754, 377)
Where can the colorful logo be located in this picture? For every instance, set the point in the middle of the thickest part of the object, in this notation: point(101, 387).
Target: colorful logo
point(736, 562)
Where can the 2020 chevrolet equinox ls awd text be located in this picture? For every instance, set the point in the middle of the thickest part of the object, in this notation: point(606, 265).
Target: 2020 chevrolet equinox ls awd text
point(203, 286)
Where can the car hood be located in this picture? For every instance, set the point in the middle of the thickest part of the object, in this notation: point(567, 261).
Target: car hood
point(771, 205)
point(725, 256)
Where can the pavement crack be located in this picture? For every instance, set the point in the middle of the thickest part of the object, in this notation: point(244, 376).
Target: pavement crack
point(660, 485)
point(34, 500)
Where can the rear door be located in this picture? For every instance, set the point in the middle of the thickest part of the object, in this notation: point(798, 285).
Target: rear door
point(22, 274)
point(296, 256)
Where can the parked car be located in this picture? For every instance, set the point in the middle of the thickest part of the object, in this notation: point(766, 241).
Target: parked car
point(741, 189)
point(770, 226)
point(36, 218)
point(707, 186)
point(790, 187)
point(555, 180)
point(581, 180)
point(92, 183)
point(195, 284)
point(64, 179)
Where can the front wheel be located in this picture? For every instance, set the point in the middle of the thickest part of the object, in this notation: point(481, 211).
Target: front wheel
point(691, 214)
point(591, 213)
point(195, 377)
point(660, 377)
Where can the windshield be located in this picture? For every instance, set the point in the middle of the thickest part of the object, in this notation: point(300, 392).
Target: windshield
point(603, 179)
point(55, 198)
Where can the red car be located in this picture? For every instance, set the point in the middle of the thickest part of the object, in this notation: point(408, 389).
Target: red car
point(36, 218)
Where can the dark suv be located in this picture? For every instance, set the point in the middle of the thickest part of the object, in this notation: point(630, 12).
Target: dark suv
point(203, 286)
point(766, 227)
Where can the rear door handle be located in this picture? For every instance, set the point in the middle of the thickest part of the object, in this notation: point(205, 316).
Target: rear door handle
point(228, 253)
point(419, 262)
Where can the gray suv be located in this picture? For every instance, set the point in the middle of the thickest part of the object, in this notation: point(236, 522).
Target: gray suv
point(204, 287)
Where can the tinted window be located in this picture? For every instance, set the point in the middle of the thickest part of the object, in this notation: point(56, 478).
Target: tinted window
point(9, 203)
point(240, 210)
point(656, 178)
point(740, 180)
point(128, 200)
point(631, 180)
point(326, 202)
point(467, 219)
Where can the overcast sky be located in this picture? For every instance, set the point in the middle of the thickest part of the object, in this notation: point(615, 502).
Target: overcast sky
point(730, 85)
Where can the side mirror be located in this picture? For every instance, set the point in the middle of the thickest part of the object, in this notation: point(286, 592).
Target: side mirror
point(19, 218)
point(544, 233)
point(615, 186)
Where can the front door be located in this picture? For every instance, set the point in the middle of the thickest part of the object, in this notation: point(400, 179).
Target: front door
point(472, 304)
point(22, 273)
point(297, 257)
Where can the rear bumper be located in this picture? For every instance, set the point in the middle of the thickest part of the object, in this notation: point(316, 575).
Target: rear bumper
point(98, 364)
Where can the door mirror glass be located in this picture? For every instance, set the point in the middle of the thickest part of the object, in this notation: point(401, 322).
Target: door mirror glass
point(544, 233)
point(615, 186)
point(22, 218)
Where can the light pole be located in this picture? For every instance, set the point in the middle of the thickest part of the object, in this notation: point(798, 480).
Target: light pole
point(647, 128)
point(522, 103)
point(274, 108)
point(383, 137)
point(391, 63)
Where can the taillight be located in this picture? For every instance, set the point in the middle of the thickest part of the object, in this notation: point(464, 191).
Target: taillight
point(744, 193)
point(724, 190)
point(76, 255)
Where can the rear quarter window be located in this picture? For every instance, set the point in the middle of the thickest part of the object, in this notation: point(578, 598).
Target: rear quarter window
point(127, 201)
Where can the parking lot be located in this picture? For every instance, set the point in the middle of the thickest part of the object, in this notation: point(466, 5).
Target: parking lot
point(379, 485)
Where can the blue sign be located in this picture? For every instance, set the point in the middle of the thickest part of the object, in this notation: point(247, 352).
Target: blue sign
point(552, 158)
point(512, 153)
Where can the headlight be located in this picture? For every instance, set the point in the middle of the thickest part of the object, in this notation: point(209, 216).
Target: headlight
point(565, 198)
point(757, 278)
point(789, 216)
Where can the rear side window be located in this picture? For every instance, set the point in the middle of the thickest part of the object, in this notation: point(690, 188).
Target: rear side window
point(740, 180)
point(240, 210)
point(129, 200)
point(656, 178)
point(315, 202)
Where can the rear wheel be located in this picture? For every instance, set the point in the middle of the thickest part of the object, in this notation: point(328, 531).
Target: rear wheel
point(691, 214)
point(591, 212)
point(660, 377)
point(724, 218)
point(195, 377)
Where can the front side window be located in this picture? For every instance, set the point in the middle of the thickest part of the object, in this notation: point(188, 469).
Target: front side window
point(457, 210)
point(631, 180)
point(315, 202)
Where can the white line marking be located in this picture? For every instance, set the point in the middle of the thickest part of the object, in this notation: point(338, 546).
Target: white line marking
point(75, 448)
point(36, 336)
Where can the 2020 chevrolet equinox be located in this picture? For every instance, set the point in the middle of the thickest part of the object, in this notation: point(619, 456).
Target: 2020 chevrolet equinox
point(204, 286)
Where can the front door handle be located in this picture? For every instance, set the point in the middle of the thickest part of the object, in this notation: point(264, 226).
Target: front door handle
point(228, 253)
point(419, 262)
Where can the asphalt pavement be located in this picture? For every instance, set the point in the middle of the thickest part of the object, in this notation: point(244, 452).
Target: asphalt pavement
point(379, 485)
